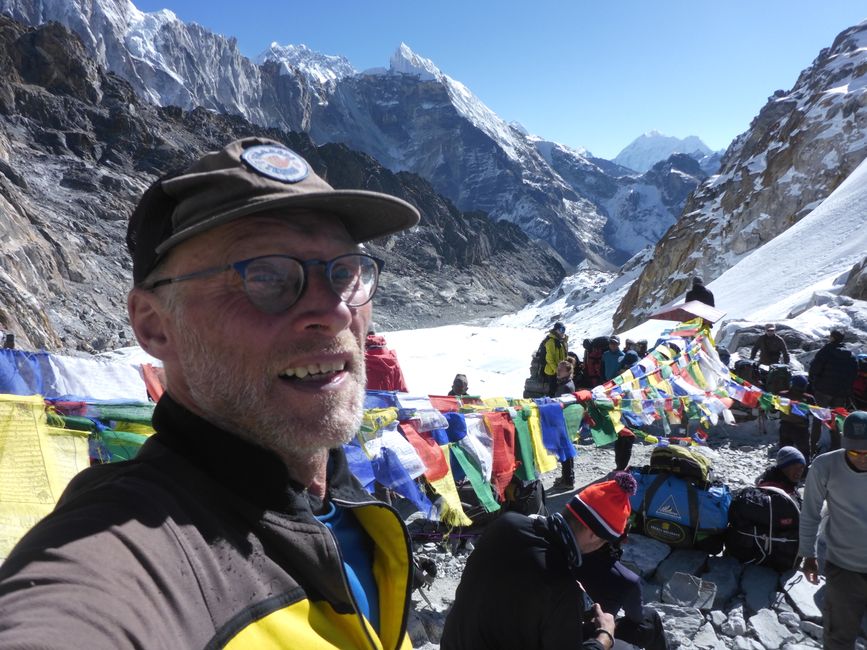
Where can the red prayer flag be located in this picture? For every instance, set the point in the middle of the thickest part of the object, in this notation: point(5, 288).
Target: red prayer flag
point(428, 450)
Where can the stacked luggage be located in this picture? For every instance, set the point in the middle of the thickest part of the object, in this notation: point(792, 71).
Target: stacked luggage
point(678, 502)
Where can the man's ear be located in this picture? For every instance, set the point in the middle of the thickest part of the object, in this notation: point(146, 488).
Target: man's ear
point(149, 319)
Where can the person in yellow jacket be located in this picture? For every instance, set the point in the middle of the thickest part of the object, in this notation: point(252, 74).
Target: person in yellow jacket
point(556, 348)
point(239, 524)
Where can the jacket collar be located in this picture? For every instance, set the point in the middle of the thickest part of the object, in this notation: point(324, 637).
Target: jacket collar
point(238, 465)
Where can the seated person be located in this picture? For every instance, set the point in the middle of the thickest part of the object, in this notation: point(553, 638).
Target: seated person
point(520, 588)
point(787, 472)
point(459, 386)
point(614, 587)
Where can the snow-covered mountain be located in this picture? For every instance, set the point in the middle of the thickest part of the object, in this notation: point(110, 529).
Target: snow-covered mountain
point(319, 69)
point(410, 116)
point(650, 148)
point(797, 151)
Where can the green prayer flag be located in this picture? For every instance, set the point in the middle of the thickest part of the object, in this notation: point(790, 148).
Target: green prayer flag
point(603, 430)
point(526, 470)
point(480, 486)
point(574, 414)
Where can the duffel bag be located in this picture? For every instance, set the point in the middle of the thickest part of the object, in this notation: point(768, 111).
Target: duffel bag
point(681, 461)
point(779, 378)
point(763, 528)
point(526, 497)
point(679, 512)
point(535, 387)
point(747, 370)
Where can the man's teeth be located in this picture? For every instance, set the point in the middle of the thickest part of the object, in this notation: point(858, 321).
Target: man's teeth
point(314, 369)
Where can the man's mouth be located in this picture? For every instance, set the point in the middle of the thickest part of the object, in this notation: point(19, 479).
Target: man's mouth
point(314, 371)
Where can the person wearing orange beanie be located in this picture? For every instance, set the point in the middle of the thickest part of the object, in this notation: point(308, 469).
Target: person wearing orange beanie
point(604, 508)
point(520, 588)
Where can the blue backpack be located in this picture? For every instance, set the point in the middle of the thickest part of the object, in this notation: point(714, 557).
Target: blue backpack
point(680, 512)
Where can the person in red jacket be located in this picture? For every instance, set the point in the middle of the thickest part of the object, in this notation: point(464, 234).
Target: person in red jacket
point(383, 368)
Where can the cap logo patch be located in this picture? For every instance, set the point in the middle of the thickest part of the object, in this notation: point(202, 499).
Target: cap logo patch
point(276, 162)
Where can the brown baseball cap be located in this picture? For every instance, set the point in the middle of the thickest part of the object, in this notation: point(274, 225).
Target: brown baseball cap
point(246, 177)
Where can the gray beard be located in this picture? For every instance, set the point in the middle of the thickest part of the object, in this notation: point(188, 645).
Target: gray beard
point(236, 403)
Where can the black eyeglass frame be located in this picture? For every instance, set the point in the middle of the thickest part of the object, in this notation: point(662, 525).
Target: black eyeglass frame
point(240, 267)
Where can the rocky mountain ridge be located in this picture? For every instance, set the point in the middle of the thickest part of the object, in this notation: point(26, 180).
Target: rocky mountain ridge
point(410, 117)
point(801, 146)
point(78, 147)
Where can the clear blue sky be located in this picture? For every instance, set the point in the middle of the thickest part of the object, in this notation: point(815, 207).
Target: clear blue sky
point(580, 72)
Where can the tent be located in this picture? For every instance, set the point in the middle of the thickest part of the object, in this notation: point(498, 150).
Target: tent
point(687, 311)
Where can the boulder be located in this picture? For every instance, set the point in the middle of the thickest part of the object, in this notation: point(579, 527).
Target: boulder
point(680, 623)
point(769, 630)
point(706, 638)
point(724, 572)
point(759, 585)
point(735, 625)
point(642, 554)
point(812, 629)
point(689, 591)
point(804, 596)
point(681, 561)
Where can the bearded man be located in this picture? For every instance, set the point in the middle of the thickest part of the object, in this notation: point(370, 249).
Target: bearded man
point(239, 523)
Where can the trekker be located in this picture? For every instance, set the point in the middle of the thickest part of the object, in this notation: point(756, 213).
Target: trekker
point(786, 473)
point(794, 428)
point(593, 351)
point(839, 481)
point(623, 448)
point(383, 368)
point(700, 292)
point(770, 347)
point(832, 372)
point(630, 358)
point(565, 386)
point(520, 587)
point(239, 522)
point(611, 359)
point(615, 587)
point(577, 368)
point(556, 347)
point(460, 385)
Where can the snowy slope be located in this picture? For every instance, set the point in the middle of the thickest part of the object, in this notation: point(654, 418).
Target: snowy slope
point(782, 275)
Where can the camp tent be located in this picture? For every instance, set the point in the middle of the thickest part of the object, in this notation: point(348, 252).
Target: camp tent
point(686, 311)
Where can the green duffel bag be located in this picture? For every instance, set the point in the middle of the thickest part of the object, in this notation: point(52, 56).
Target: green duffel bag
point(682, 462)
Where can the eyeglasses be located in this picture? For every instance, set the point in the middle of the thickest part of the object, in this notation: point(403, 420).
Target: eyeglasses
point(856, 453)
point(274, 283)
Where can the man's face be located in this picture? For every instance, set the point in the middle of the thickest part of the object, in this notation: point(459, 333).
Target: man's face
point(613, 345)
point(292, 382)
point(794, 472)
point(858, 458)
point(588, 541)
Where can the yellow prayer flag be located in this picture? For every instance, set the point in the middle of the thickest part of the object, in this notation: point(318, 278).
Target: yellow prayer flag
point(451, 512)
point(37, 462)
point(545, 460)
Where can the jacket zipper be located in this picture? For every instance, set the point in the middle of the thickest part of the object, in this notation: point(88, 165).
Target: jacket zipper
point(407, 595)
